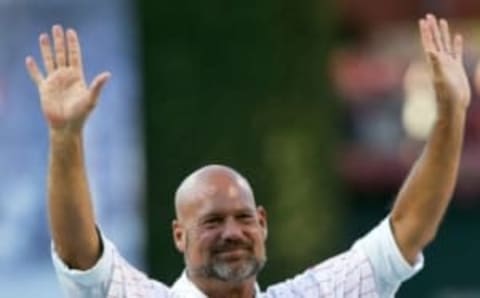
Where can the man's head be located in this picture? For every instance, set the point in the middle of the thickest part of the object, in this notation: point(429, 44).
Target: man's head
point(219, 228)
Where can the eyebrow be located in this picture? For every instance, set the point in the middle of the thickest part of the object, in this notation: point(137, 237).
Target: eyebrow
point(219, 214)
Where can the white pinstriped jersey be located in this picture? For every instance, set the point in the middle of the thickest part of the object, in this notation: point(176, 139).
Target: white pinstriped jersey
point(373, 267)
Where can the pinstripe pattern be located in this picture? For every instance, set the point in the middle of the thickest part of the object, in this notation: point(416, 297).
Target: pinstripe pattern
point(347, 275)
point(373, 268)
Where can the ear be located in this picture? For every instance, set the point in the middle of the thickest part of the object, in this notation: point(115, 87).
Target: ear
point(179, 236)
point(262, 220)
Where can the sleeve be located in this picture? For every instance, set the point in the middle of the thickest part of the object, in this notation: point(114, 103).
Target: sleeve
point(373, 267)
point(111, 276)
point(389, 266)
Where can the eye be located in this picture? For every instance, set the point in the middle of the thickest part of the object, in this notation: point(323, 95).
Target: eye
point(246, 217)
point(212, 222)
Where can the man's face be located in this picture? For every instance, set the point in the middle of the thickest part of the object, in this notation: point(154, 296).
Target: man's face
point(224, 234)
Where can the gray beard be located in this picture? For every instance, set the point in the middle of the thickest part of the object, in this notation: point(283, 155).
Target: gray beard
point(220, 270)
point(223, 271)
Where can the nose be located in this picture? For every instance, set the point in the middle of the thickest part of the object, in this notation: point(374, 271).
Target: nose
point(232, 230)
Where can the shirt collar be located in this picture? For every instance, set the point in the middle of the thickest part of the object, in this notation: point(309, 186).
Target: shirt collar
point(184, 287)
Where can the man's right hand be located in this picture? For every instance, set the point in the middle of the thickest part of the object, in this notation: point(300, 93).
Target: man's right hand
point(66, 100)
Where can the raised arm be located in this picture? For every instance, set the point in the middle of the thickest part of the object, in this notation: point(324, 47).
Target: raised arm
point(66, 102)
point(425, 195)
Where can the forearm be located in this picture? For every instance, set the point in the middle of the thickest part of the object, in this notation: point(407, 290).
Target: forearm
point(71, 212)
point(425, 195)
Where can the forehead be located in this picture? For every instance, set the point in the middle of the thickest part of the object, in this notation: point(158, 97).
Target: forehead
point(219, 198)
point(213, 188)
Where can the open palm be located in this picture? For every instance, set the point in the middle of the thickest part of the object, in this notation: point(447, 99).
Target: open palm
point(445, 57)
point(65, 98)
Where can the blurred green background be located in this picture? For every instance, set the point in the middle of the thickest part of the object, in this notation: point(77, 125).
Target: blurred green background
point(245, 84)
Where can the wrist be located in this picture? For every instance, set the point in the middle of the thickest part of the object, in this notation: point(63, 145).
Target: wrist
point(451, 118)
point(451, 111)
point(59, 136)
point(452, 105)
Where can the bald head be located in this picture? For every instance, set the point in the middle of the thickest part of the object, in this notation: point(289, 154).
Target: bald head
point(219, 228)
point(211, 181)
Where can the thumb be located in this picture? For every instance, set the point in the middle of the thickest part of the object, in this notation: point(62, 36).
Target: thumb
point(97, 84)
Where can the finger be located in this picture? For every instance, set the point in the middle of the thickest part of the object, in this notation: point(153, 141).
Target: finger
point(426, 36)
point(47, 55)
point(97, 85)
point(458, 47)
point(446, 36)
point(435, 64)
point(59, 42)
point(436, 36)
point(74, 50)
point(33, 70)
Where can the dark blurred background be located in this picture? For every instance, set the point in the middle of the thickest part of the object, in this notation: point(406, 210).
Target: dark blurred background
point(322, 105)
point(305, 98)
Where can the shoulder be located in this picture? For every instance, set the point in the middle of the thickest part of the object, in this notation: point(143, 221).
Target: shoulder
point(348, 272)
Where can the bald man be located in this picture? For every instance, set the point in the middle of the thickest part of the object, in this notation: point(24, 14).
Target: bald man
point(218, 227)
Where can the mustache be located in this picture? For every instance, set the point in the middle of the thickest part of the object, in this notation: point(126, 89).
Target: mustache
point(228, 245)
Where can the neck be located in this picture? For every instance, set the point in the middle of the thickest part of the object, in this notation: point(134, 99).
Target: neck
point(213, 288)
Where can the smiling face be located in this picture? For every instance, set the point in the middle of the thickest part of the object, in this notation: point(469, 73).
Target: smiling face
point(219, 229)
